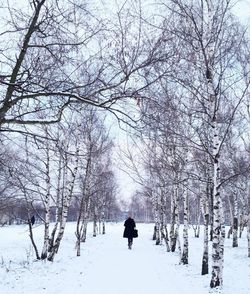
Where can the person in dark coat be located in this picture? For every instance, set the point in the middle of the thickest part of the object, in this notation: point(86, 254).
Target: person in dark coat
point(31, 220)
point(129, 231)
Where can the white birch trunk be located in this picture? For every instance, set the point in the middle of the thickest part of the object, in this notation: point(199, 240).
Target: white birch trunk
point(235, 220)
point(173, 204)
point(216, 256)
point(155, 194)
point(157, 223)
point(248, 226)
point(81, 232)
point(205, 212)
point(58, 201)
point(173, 221)
point(81, 227)
point(103, 219)
point(243, 218)
point(184, 258)
point(222, 241)
point(163, 228)
point(84, 220)
point(177, 217)
point(45, 249)
point(248, 234)
point(231, 209)
point(205, 258)
point(65, 208)
point(85, 217)
point(197, 226)
point(218, 240)
point(95, 223)
point(84, 230)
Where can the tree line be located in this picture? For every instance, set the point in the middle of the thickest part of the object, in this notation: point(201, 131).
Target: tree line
point(193, 141)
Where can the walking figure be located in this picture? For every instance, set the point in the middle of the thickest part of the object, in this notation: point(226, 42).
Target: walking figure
point(129, 231)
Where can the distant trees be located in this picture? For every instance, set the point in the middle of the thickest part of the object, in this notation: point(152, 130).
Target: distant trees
point(141, 206)
point(7, 192)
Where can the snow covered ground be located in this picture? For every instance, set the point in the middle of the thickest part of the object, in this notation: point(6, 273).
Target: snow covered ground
point(106, 266)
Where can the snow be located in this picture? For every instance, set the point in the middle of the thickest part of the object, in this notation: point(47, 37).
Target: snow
point(106, 266)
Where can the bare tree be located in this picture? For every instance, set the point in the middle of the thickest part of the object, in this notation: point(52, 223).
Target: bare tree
point(62, 54)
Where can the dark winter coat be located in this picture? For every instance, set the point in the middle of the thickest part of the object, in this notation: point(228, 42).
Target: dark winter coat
point(129, 228)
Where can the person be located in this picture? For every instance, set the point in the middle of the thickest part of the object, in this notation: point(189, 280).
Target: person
point(31, 220)
point(129, 231)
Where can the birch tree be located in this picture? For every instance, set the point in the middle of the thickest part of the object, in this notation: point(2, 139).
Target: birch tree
point(97, 147)
point(208, 35)
point(70, 167)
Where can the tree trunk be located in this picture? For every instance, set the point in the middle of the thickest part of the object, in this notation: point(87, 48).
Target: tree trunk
point(204, 270)
point(218, 227)
point(103, 219)
point(212, 212)
point(47, 207)
point(78, 232)
point(205, 212)
point(56, 245)
point(177, 217)
point(84, 231)
point(184, 258)
point(65, 208)
point(164, 229)
point(218, 241)
point(157, 232)
point(222, 241)
point(78, 247)
point(172, 223)
point(58, 216)
point(248, 234)
point(235, 221)
point(83, 209)
point(231, 209)
point(85, 219)
point(163, 225)
point(196, 227)
point(156, 235)
point(248, 224)
point(103, 228)
point(32, 238)
point(95, 223)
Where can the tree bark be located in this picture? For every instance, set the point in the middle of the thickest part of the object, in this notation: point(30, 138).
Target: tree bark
point(45, 249)
point(205, 208)
point(184, 258)
point(235, 221)
point(248, 224)
point(65, 208)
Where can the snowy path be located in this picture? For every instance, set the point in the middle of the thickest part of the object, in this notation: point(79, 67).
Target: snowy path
point(106, 266)
point(123, 271)
point(143, 270)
